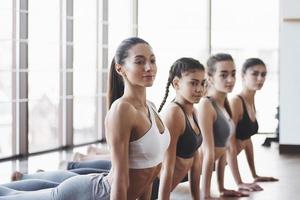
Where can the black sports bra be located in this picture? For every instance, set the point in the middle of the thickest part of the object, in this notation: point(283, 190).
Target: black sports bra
point(245, 127)
point(189, 142)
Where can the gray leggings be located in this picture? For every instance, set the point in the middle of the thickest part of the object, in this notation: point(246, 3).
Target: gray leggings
point(80, 187)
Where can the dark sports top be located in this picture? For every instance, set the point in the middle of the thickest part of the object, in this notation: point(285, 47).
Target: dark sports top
point(189, 142)
point(245, 127)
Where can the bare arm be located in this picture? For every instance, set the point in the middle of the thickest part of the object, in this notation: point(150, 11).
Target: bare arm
point(206, 115)
point(147, 193)
point(232, 152)
point(174, 120)
point(118, 133)
point(194, 175)
point(237, 110)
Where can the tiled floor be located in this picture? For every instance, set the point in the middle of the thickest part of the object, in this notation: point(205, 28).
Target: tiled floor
point(268, 162)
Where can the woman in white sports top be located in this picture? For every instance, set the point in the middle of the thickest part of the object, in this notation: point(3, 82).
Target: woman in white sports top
point(136, 135)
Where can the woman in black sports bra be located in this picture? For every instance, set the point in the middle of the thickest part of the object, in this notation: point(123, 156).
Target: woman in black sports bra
point(243, 114)
point(187, 78)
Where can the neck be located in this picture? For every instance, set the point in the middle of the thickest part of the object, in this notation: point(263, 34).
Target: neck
point(219, 97)
point(135, 94)
point(188, 107)
point(248, 95)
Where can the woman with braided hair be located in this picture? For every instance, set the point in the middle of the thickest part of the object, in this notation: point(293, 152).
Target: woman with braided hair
point(187, 78)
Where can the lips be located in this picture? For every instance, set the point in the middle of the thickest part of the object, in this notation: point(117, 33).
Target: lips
point(148, 76)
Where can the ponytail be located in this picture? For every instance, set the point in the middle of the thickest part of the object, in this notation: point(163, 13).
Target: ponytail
point(115, 85)
point(115, 81)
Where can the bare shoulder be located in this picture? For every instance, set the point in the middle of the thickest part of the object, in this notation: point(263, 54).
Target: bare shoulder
point(174, 112)
point(205, 106)
point(236, 103)
point(121, 110)
point(174, 119)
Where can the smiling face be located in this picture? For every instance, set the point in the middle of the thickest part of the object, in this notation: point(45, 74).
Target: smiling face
point(223, 79)
point(254, 77)
point(140, 67)
point(190, 86)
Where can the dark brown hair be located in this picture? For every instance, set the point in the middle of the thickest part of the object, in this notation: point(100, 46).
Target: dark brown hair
point(177, 69)
point(115, 81)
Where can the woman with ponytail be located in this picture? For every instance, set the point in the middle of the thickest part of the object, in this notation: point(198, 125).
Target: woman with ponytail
point(215, 121)
point(187, 78)
point(254, 73)
point(135, 134)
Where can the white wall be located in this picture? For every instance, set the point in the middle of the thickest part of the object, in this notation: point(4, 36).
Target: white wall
point(289, 64)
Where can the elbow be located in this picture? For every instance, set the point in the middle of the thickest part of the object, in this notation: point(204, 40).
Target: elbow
point(209, 154)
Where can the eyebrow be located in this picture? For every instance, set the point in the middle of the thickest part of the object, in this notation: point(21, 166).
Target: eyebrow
point(141, 56)
point(226, 71)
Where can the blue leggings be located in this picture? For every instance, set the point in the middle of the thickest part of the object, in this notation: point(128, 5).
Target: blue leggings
point(50, 179)
point(80, 187)
point(95, 164)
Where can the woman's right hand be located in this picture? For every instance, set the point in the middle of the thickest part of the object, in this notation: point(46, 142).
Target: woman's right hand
point(249, 187)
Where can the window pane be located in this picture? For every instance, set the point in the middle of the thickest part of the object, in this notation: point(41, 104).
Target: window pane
point(41, 84)
point(85, 127)
point(6, 169)
point(5, 129)
point(85, 32)
point(43, 34)
point(251, 34)
point(5, 86)
point(43, 110)
point(119, 16)
point(183, 30)
point(6, 19)
point(43, 124)
point(5, 54)
point(85, 83)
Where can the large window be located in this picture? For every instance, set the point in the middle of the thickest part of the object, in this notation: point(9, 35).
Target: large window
point(55, 57)
point(6, 74)
point(246, 29)
point(181, 31)
point(43, 74)
point(85, 71)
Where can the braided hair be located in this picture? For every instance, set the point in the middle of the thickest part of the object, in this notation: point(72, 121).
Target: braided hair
point(177, 69)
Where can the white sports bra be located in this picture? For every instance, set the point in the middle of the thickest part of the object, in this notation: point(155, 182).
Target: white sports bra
point(149, 150)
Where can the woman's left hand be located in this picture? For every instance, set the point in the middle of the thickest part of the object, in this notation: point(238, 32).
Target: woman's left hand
point(265, 179)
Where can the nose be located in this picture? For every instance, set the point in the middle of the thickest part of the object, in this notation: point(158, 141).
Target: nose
point(260, 77)
point(199, 88)
point(148, 66)
point(231, 79)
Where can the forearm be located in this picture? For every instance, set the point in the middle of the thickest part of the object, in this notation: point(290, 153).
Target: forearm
point(118, 191)
point(220, 172)
point(147, 193)
point(233, 164)
point(119, 186)
point(250, 158)
point(165, 186)
point(195, 185)
point(206, 174)
point(194, 175)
